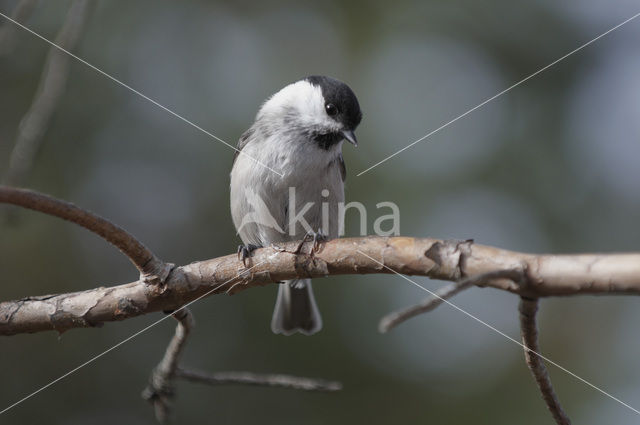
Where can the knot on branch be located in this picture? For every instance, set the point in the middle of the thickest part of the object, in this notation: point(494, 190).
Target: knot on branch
point(160, 393)
point(448, 257)
point(161, 388)
point(156, 272)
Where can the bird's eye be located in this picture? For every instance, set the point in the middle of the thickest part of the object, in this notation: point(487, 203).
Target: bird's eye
point(331, 109)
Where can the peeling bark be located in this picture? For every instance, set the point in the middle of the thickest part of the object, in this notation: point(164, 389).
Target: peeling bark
point(544, 275)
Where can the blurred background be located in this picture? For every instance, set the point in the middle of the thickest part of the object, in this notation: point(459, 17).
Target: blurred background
point(551, 166)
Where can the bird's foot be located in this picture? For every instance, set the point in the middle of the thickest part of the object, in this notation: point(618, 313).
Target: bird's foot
point(245, 251)
point(316, 237)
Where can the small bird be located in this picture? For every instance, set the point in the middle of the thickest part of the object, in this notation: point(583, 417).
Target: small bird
point(298, 133)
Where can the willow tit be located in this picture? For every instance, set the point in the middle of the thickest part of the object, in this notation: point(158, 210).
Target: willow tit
point(298, 132)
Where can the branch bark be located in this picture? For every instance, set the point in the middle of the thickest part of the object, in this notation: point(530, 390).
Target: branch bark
point(543, 275)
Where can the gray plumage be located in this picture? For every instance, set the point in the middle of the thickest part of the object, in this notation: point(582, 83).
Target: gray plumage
point(298, 132)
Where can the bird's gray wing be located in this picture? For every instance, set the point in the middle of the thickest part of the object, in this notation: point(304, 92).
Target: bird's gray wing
point(342, 166)
point(242, 142)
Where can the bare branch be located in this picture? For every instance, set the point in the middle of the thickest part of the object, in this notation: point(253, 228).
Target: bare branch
point(256, 379)
point(543, 275)
point(161, 388)
point(52, 84)
point(152, 269)
point(395, 318)
point(8, 30)
point(529, 331)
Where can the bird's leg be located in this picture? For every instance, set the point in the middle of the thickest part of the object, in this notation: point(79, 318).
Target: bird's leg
point(245, 251)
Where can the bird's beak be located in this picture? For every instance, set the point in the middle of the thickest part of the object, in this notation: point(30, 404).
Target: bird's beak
point(350, 136)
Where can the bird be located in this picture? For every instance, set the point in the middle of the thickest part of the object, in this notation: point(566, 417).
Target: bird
point(287, 181)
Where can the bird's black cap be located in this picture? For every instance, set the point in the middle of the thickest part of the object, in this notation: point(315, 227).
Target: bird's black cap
point(340, 95)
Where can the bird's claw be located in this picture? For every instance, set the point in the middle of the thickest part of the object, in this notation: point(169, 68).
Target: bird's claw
point(245, 251)
point(317, 238)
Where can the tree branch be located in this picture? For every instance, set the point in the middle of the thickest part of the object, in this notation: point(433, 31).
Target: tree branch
point(161, 287)
point(152, 269)
point(50, 89)
point(543, 275)
point(528, 275)
point(256, 379)
point(161, 388)
point(393, 319)
point(528, 308)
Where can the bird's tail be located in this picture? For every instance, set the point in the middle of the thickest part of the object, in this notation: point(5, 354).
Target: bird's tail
point(296, 309)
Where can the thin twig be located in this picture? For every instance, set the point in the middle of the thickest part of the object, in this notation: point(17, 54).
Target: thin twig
point(264, 380)
point(20, 13)
point(54, 78)
point(152, 269)
point(161, 389)
point(395, 318)
point(528, 328)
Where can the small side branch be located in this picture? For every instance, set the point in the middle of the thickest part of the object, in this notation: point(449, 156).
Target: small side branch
point(54, 78)
point(152, 269)
point(395, 318)
point(529, 331)
point(161, 388)
point(263, 380)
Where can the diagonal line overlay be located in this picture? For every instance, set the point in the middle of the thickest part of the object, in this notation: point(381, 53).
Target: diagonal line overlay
point(503, 334)
point(500, 94)
point(91, 360)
